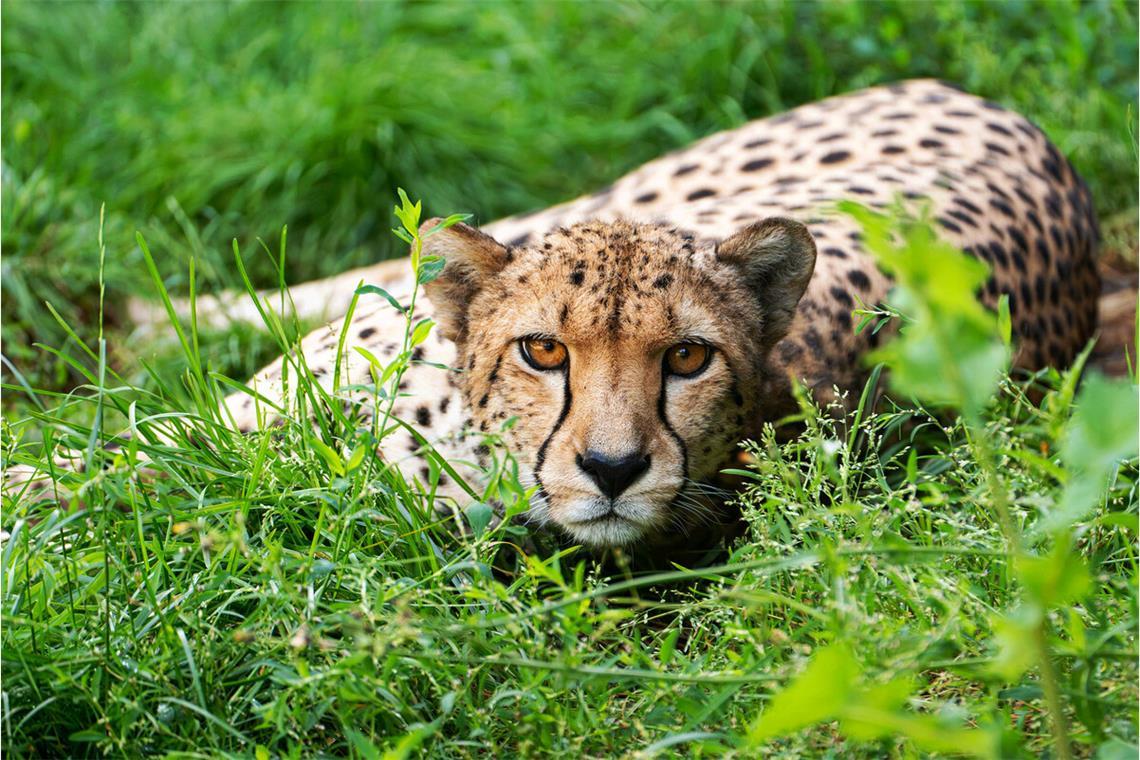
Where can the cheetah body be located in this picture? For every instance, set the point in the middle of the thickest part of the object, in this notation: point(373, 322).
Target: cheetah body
point(617, 268)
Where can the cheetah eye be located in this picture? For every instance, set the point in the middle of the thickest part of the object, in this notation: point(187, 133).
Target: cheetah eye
point(543, 353)
point(687, 359)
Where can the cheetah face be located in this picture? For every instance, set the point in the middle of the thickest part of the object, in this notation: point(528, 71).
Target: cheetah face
point(630, 356)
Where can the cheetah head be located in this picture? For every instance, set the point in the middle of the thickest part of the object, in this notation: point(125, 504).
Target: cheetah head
point(632, 356)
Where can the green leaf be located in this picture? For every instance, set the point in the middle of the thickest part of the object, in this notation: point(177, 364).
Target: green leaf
point(949, 350)
point(927, 732)
point(1128, 520)
point(669, 646)
point(1058, 578)
point(478, 517)
point(377, 290)
point(355, 459)
point(421, 331)
point(362, 744)
point(1115, 749)
point(819, 693)
point(1014, 636)
point(430, 269)
point(448, 222)
point(1102, 431)
point(1005, 320)
point(1100, 435)
point(332, 459)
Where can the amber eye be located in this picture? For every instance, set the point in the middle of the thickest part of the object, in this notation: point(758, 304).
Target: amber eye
point(687, 359)
point(543, 353)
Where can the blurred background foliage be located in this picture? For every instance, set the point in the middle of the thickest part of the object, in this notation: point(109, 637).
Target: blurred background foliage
point(200, 123)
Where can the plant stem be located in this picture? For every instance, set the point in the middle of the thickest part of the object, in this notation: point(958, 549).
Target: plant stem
point(1052, 693)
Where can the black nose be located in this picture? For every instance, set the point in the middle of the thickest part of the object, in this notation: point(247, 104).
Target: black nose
point(613, 474)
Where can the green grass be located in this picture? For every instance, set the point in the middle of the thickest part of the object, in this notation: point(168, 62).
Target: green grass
point(904, 581)
point(963, 586)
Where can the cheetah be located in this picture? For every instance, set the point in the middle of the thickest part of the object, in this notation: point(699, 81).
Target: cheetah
point(633, 337)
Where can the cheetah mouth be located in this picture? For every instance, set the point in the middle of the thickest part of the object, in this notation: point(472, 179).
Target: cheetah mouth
point(609, 518)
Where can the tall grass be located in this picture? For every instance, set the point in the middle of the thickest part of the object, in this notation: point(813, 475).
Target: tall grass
point(906, 584)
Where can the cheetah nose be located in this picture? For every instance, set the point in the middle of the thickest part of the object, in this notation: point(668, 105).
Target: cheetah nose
point(613, 474)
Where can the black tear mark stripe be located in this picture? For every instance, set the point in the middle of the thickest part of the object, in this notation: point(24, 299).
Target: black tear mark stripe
point(669, 428)
point(540, 458)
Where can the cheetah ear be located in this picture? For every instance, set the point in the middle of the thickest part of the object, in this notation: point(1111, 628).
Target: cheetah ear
point(470, 259)
point(776, 257)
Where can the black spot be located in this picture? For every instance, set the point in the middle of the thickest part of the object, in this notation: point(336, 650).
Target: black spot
point(948, 224)
point(444, 403)
point(892, 150)
point(756, 165)
point(998, 254)
point(704, 192)
point(860, 190)
point(1053, 205)
point(790, 351)
point(367, 332)
point(858, 279)
point(520, 240)
point(838, 253)
point(994, 127)
point(899, 116)
point(418, 353)
point(841, 295)
point(1018, 239)
point(946, 130)
point(961, 216)
point(646, 198)
point(997, 190)
point(835, 157)
point(577, 277)
point(423, 416)
point(1003, 207)
point(663, 281)
point(757, 143)
point(686, 169)
point(1035, 221)
point(885, 133)
point(995, 148)
point(483, 401)
point(929, 142)
point(967, 205)
point(1026, 197)
point(831, 137)
point(564, 314)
